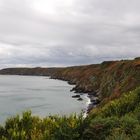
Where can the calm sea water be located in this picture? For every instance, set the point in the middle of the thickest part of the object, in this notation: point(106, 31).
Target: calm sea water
point(41, 95)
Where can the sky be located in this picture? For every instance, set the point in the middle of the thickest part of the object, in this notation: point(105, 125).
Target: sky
point(49, 33)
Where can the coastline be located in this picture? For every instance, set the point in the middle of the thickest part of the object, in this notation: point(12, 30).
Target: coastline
point(92, 99)
point(85, 113)
point(98, 81)
point(90, 103)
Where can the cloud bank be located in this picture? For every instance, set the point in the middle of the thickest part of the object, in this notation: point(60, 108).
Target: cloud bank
point(68, 32)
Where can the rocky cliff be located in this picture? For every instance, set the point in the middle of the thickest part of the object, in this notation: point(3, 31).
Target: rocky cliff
point(107, 80)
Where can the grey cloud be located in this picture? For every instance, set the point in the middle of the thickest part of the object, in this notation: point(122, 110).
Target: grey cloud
point(85, 32)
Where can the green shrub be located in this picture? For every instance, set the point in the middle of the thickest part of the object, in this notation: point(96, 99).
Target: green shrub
point(118, 136)
point(100, 128)
point(28, 127)
point(119, 107)
point(128, 124)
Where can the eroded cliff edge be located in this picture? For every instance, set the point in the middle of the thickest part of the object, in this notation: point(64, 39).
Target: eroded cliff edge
point(107, 80)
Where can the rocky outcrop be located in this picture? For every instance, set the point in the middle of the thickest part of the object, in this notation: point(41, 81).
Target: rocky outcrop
point(76, 96)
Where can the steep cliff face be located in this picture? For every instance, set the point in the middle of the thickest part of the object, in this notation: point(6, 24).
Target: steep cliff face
point(108, 80)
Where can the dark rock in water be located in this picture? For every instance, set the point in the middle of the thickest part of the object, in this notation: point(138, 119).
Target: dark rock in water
point(97, 101)
point(90, 107)
point(76, 96)
point(93, 98)
point(94, 102)
point(71, 90)
point(80, 99)
point(71, 82)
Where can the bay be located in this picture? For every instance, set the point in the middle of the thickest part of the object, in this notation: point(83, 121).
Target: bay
point(41, 95)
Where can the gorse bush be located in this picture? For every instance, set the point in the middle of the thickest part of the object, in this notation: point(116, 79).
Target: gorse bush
point(117, 120)
point(125, 104)
point(30, 127)
point(118, 136)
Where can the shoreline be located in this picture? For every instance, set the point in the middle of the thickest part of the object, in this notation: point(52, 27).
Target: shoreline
point(92, 98)
point(85, 113)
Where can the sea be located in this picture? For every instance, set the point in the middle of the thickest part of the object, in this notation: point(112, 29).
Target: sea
point(39, 94)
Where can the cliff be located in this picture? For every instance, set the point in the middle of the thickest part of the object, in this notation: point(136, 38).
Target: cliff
point(108, 80)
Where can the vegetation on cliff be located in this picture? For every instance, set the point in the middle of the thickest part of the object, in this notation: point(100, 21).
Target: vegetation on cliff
point(117, 120)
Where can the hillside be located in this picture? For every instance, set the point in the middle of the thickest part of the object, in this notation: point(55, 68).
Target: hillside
point(107, 80)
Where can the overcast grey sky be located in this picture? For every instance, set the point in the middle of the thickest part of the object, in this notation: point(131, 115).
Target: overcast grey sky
point(68, 32)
